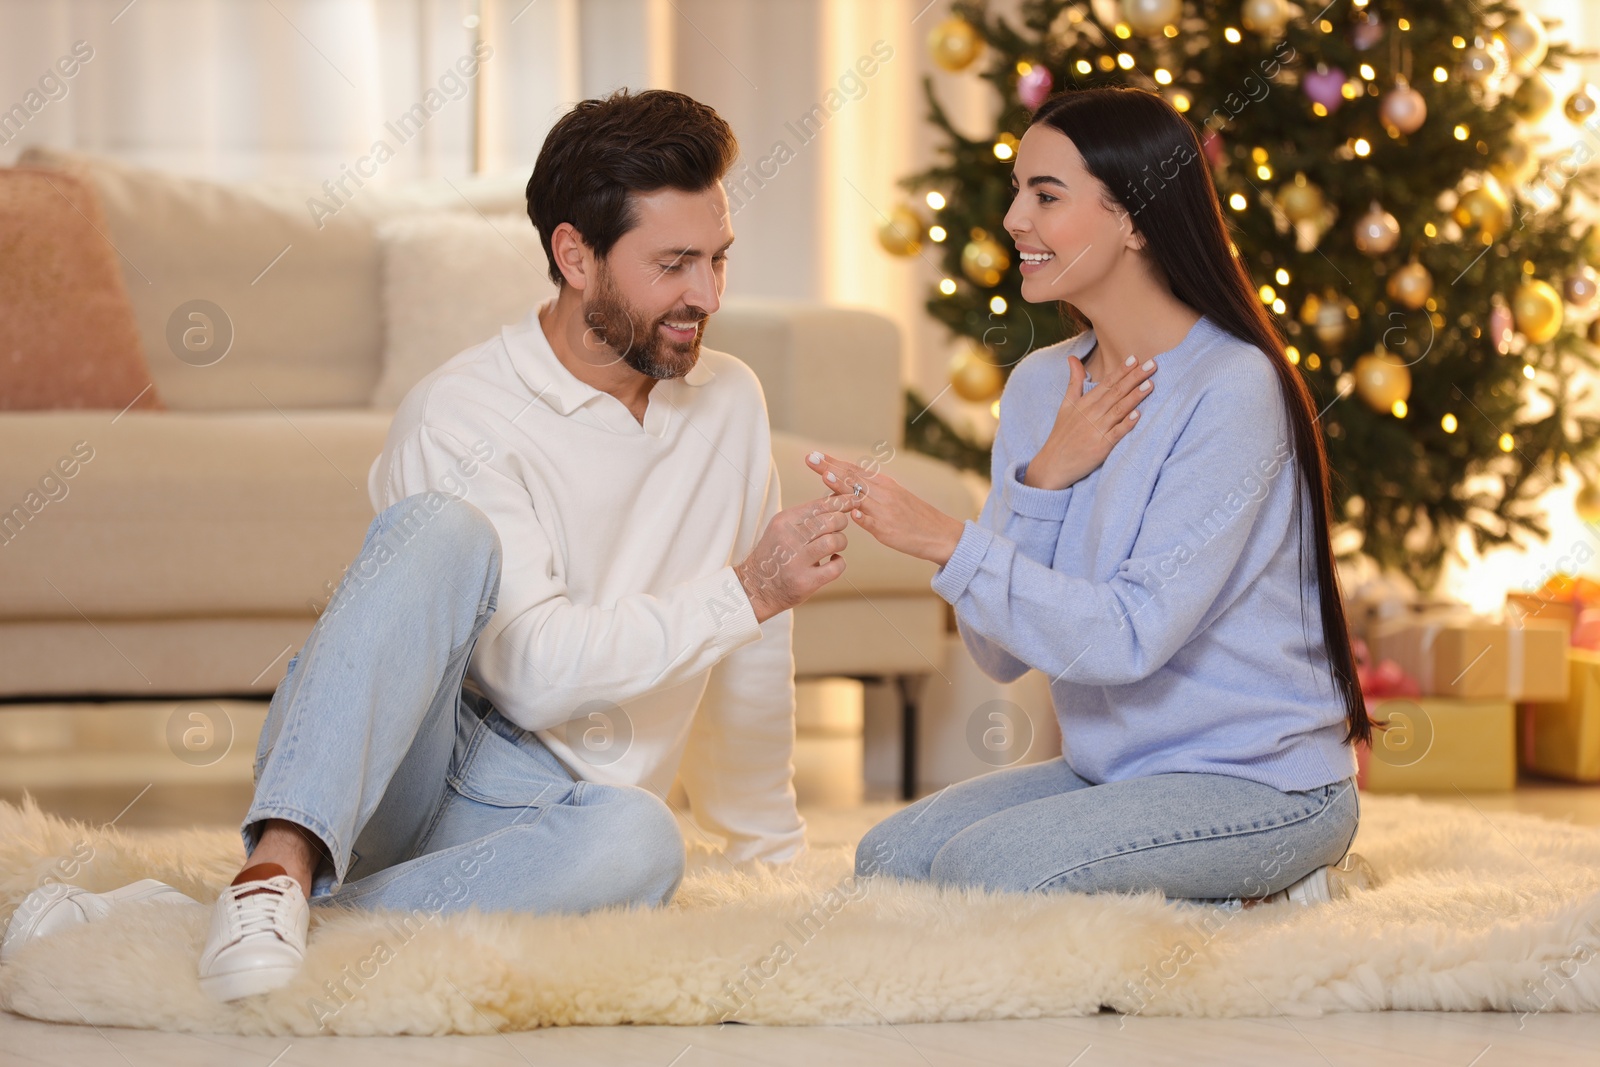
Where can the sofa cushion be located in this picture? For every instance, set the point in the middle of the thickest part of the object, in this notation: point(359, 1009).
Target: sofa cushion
point(285, 290)
point(68, 338)
point(450, 281)
point(181, 514)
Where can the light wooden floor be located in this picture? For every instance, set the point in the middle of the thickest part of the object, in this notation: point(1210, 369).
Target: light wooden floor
point(99, 763)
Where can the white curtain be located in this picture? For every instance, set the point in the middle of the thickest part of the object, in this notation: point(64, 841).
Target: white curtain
point(285, 88)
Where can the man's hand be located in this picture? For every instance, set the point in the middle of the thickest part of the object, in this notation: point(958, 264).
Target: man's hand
point(1088, 427)
point(797, 555)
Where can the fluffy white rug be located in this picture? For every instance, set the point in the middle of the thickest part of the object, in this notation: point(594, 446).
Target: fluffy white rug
point(1476, 913)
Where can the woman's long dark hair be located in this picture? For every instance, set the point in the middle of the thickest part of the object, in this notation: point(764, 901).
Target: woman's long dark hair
point(1147, 156)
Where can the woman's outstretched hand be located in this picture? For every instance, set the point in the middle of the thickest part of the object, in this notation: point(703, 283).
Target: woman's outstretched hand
point(1088, 427)
point(890, 512)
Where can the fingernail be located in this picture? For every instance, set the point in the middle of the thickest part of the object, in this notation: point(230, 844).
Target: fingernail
point(1144, 386)
point(815, 457)
point(1128, 362)
point(831, 478)
point(1149, 363)
point(1133, 415)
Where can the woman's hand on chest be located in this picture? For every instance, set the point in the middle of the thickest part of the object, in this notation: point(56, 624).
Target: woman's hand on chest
point(1089, 424)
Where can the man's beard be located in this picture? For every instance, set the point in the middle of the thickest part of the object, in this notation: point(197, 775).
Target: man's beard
point(637, 338)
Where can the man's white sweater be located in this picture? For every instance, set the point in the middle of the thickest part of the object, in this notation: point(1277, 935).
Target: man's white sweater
point(621, 635)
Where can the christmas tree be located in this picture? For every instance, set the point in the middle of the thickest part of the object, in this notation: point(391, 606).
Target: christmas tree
point(1419, 245)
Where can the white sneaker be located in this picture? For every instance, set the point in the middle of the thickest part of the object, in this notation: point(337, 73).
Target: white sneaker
point(57, 906)
point(1326, 884)
point(257, 940)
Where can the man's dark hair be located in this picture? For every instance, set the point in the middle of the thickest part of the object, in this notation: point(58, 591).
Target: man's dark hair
point(605, 149)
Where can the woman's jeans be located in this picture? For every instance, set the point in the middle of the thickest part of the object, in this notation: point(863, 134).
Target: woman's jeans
point(1190, 836)
point(421, 794)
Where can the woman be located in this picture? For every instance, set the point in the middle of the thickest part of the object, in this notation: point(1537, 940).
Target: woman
point(1136, 548)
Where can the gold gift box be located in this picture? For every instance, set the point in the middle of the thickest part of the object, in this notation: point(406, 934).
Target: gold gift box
point(1458, 654)
point(1439, 745)
point(1562, 738)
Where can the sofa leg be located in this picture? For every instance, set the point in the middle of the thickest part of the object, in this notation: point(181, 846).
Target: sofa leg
point(909, 686)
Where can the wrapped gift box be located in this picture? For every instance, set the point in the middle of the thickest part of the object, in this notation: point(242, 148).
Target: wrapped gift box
point(1439, 745)
point(1455, 653)
point(1561, 738)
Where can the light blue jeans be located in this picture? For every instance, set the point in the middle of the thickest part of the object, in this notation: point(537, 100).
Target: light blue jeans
point(1042, 827)
point(422, 794)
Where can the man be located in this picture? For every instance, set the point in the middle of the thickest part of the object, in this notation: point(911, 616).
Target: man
point(577, 585)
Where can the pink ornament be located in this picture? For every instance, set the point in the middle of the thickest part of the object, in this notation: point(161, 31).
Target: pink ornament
point(1325, 86)
point(1034, 86)
point(1366, 33)
point(1211, 144)
point(1501, 325)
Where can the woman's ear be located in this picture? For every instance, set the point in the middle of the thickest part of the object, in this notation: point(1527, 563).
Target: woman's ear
point(1133, 239)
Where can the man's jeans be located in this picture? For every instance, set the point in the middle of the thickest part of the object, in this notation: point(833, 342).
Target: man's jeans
point(422, 795)
point(1041, 827)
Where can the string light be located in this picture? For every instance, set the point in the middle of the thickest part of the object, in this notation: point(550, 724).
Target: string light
point(937, 233)
point(1440, 74)
point(1163, 76)
point(998, 305)
point(1362, 147)
point(1449, 423)
point(1083, 66)
point(1125, 61)
point(1268, 294)
point(1232, 35)
point(1399, 408)
point(1293, 353)
point(1507, 443)
point(1282, 276)
point(935, 200)
point(1368, 73)
point(948, 286)
point(1461, 133)
point(1238, 202)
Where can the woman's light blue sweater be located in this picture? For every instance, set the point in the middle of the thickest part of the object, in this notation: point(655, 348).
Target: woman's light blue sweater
point(1163, 593)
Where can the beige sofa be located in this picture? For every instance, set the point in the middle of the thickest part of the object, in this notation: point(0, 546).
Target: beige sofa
point(190, 550)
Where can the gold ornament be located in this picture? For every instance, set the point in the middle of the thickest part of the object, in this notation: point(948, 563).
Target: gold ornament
point(1301, 200)
point(1410, 286)
point(955, 43)
point(1534, 98)
point(1265, 17)
point(1587, 502)
point(1147, 18)
point(1376, 231)
point(1402, 109)
point(1537, 307)
point(984, 261)
point(1382, 380)
point(1484, 208)
point(1525, 41)
point(901, 234)
point(1581, 288)
point(974, 376)
point(1331, 319)
point(1516, 165)
point(1581, 104)
point(1594, 332)
point(1479, 65)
